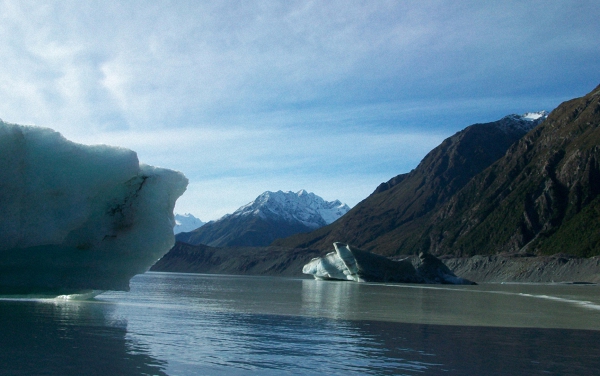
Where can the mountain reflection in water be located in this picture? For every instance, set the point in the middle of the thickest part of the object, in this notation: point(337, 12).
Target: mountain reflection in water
point(185, 324)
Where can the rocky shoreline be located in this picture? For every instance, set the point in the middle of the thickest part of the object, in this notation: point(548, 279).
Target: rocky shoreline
point(285, 262)
point(531, 269)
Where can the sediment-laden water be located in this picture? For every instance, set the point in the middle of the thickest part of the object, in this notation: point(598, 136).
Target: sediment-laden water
point(190, 324)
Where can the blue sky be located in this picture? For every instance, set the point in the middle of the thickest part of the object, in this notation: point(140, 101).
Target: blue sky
point(333, 97)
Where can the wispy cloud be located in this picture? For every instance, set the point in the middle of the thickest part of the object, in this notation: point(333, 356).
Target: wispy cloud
point(266, 92)
point(346, 165)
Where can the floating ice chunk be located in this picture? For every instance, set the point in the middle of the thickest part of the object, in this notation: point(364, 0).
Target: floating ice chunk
point(349, 264)
point(355, 265)
point(77, 218)
point(332, 266)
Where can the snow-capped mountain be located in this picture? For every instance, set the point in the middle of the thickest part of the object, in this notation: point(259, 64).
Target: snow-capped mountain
point(186, 223)
point(270, 216)
point(307, 208)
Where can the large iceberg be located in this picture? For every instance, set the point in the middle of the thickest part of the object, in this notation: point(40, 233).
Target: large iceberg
point(76, 218)
point(351, 264)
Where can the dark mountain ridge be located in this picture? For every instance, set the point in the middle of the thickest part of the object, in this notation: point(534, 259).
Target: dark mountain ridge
point(542, 197)
point(242, 232)
point(274, 261)
point(393, 219)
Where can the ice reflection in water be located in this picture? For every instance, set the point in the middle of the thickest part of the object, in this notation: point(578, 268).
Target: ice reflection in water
point(58, 337)
point(546, 306)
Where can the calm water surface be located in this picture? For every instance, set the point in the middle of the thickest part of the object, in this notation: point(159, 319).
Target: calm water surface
point(190, 324)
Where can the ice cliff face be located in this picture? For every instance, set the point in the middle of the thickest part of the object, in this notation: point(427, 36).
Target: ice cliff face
point(77, 217)
point(306, 208)
point(186, 223)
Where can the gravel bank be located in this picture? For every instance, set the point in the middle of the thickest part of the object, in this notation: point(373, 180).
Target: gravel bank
point(557, 268)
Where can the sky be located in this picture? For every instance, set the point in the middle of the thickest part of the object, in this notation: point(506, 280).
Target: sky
point(334, 97)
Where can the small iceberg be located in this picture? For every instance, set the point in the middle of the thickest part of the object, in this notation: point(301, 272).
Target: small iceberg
point(350, 264)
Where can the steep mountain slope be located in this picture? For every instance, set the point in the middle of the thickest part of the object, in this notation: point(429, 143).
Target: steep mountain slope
point(543, 197)
point(271, 216)
point(395, 217)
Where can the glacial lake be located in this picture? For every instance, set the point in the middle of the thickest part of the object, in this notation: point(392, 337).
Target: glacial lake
point(194, 324)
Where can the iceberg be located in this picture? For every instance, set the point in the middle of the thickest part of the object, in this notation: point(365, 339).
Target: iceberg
point(77, 218)
point(351, 264)
point(360, 266)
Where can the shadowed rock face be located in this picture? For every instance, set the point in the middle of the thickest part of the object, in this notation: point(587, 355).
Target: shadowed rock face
point(349, 264)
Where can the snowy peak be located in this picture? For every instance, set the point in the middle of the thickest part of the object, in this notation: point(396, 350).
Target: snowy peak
point(532, 116)
point(529, 116)
point(525, 122)
point(186, 223)
point(302, 206)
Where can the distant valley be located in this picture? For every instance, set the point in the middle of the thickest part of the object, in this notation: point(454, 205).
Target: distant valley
point(523, 186)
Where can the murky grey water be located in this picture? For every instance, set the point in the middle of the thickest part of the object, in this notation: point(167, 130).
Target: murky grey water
point(186, 324)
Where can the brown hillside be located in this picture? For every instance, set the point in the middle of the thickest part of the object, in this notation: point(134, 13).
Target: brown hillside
point(543, 197)
point(395, 217)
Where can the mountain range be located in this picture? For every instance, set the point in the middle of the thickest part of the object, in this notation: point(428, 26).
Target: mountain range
point(270, 216)
point(511, 186)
